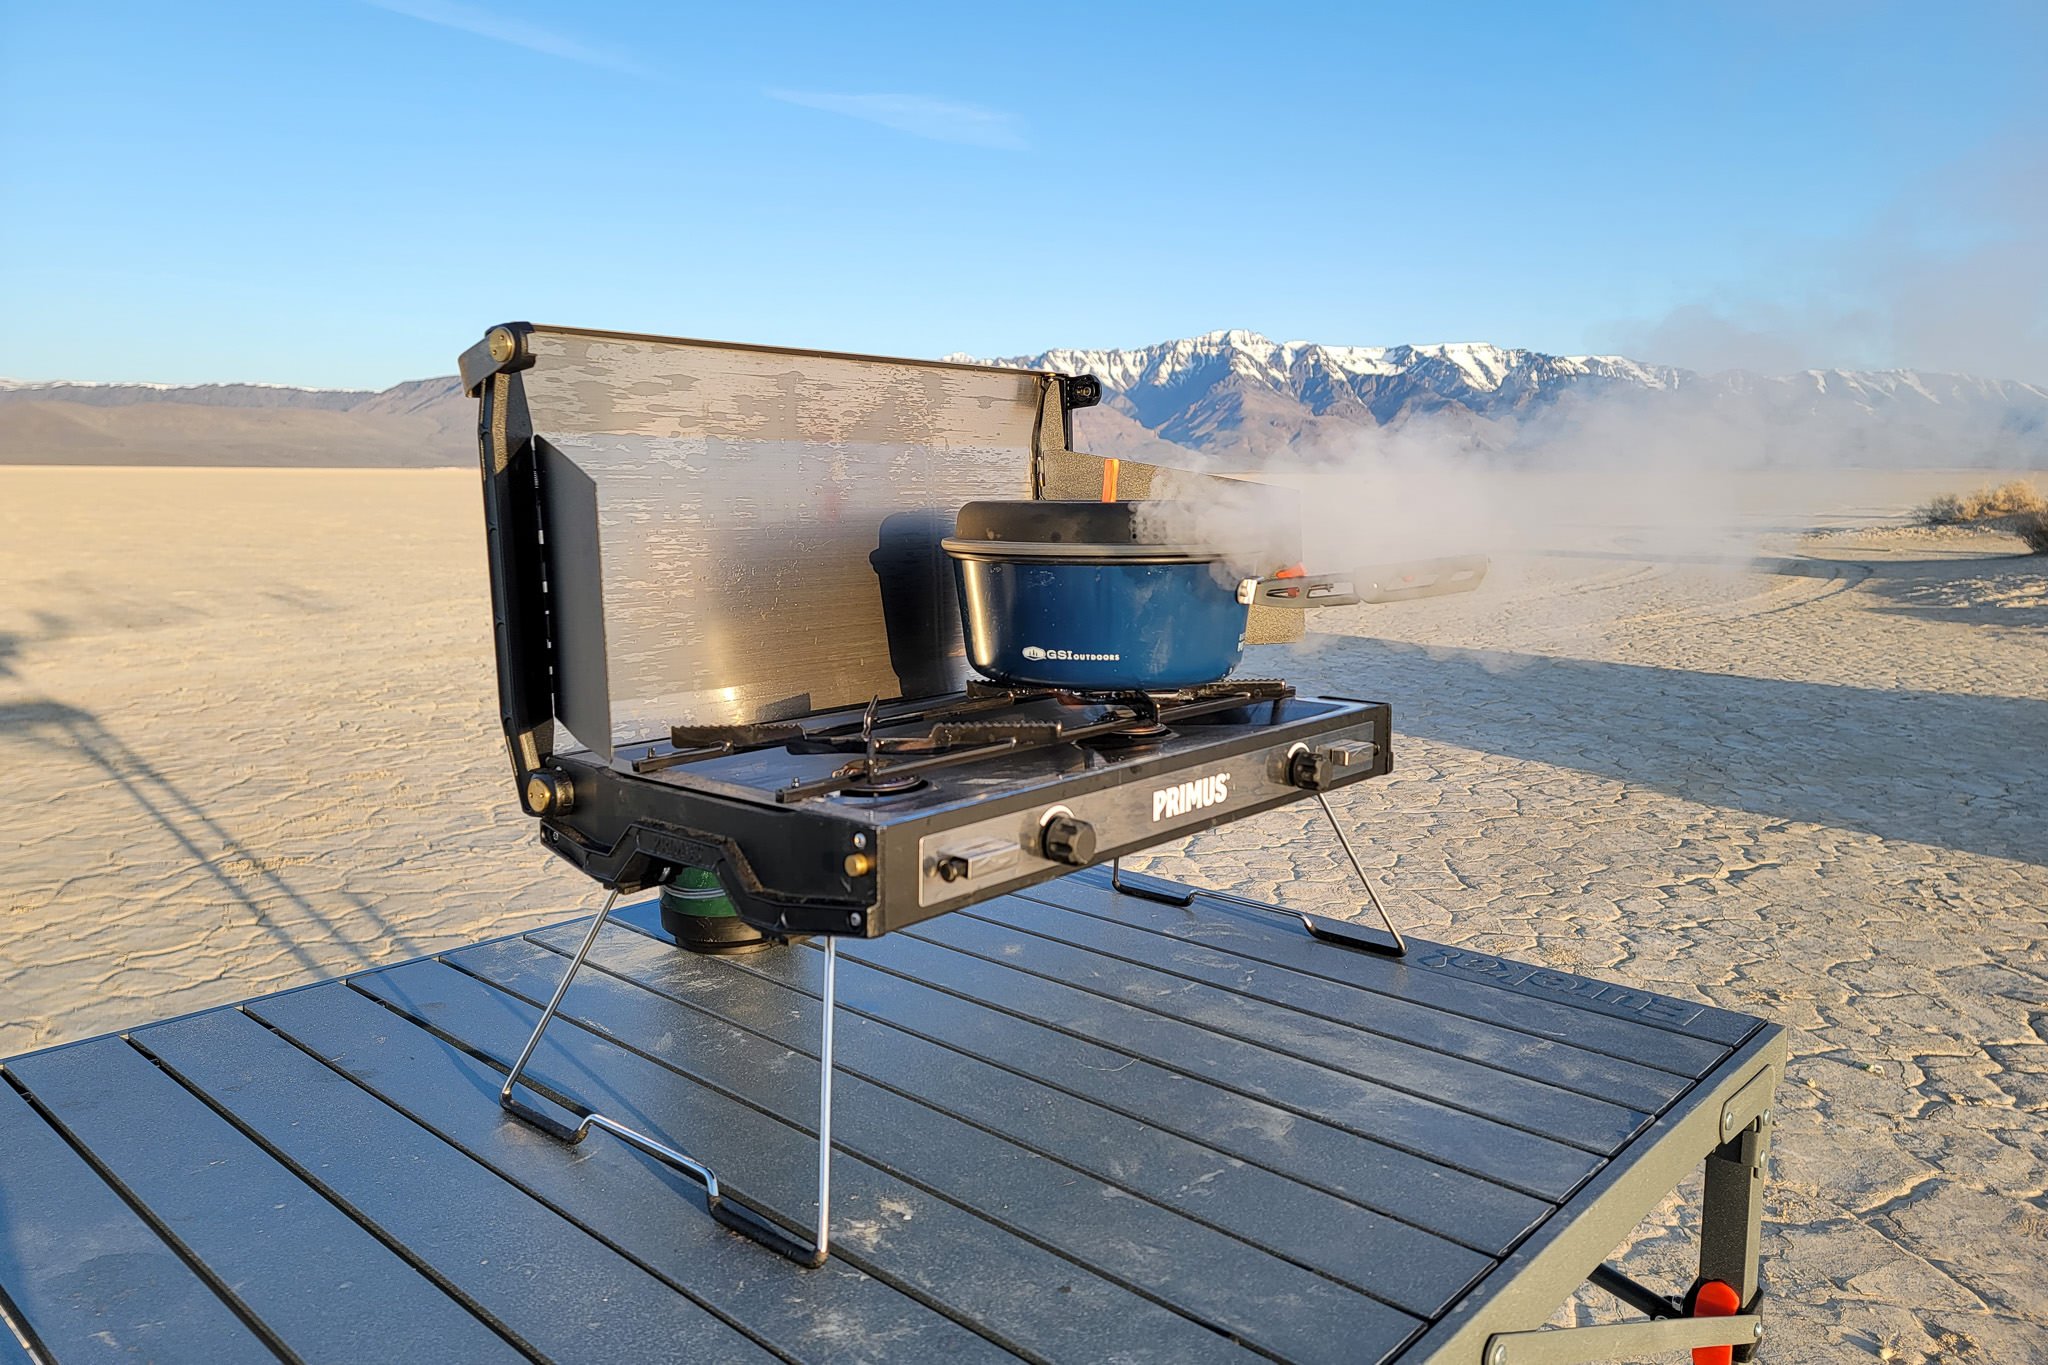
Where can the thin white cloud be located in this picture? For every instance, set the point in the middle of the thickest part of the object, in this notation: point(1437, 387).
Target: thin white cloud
point(918, 115)
point(500, 28)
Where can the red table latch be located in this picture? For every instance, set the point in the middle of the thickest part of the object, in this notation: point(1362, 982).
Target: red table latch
point(1715, 1299)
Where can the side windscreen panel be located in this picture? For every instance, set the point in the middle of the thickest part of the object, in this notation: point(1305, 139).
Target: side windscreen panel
point(745, 535)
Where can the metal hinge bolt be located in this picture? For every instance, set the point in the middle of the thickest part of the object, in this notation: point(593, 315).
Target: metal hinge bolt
point(550, 793)
point(1499, 1356)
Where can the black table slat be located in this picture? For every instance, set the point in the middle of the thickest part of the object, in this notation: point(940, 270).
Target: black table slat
point(534, 1272)
point(1405, 1266)
point(1533, 1106)
point(1578, 1069)
point(1520, 1160)
point(835, 1313)
point(1264, 1301)
point(1690, 1048)
point(88, 1277)
point(1453, 1204)
point(1017, 1291)
point(302, 1267)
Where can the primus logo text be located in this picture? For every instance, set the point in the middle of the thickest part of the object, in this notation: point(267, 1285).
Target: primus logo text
point(1203, 791)
point(1034, 653)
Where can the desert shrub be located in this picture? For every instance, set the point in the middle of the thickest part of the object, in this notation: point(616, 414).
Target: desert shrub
point(1946, 510)
point(2032, 527)
point(2016, 499)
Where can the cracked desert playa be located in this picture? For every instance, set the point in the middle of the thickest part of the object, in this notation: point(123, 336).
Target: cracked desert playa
point(249, 738)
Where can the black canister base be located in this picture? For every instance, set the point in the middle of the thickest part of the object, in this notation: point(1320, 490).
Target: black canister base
point(714, 933)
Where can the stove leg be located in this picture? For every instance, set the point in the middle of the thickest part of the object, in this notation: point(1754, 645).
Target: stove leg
point(726, 1208)
point(821, 1238)
point(1400, 945)
point(1178, 899)
point(506, 1099)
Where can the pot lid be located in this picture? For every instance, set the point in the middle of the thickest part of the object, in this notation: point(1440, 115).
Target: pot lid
point(1153, 528)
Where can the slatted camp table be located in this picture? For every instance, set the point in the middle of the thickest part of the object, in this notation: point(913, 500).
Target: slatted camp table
point(1071, 1125)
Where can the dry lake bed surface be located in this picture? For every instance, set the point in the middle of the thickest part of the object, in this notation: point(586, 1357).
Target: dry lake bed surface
point(248, 738)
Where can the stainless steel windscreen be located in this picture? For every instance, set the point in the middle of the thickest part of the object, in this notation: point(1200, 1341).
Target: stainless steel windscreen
point(738, 534)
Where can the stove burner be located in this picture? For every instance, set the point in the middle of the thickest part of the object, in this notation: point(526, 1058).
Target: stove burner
point(1131, 737)
point(857, 779)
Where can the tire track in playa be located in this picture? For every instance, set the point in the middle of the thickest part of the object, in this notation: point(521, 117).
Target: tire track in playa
point(1795, 586)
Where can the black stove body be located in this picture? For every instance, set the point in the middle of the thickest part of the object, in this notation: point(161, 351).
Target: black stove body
point(710, 564)
point(950, 800)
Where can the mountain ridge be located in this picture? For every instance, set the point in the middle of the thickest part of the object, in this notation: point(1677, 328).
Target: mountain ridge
point(1239, 394)
point(1232, 394)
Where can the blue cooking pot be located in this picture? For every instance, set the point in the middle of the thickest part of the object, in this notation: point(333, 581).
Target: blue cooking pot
point(1095, 596)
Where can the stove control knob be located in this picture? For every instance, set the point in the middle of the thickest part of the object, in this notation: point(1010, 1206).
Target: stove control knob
point(1068, 840)
point(1320, 769)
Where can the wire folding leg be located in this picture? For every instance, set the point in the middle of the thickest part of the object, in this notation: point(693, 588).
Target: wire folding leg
point(1329, 931)
point(726, 1208)
point(1400, 946)
point(1175, 896)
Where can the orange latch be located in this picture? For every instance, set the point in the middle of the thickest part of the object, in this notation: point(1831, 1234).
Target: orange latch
point(1715, 1299)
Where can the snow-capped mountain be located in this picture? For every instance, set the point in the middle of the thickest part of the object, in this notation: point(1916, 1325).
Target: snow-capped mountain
point(1239, 394)
point(1472, 368)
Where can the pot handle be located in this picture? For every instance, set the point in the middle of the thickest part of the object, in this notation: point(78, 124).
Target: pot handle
point(1422, 578)
point(1298, 593)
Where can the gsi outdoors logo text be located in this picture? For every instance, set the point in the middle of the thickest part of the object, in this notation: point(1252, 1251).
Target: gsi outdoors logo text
point(1037, 654)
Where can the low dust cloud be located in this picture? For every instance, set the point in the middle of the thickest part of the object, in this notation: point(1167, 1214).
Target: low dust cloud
point(1712, 480)
point(1952, 278)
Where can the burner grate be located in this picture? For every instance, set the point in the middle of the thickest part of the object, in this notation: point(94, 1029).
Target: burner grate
point(963, 728)
point(734, 736)
point(1027, 734)
point(1142, 718)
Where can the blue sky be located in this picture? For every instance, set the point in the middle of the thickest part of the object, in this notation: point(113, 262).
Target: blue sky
point(347, 193)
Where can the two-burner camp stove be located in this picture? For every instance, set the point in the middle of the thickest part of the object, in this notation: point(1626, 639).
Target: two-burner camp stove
point(871, 818)
point(730, 660)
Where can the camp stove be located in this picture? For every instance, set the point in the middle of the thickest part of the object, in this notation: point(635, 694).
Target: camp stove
point(729, 655)
point(871, 818)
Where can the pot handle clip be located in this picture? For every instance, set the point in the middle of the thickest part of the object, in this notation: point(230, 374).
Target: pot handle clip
point(1298, 593)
